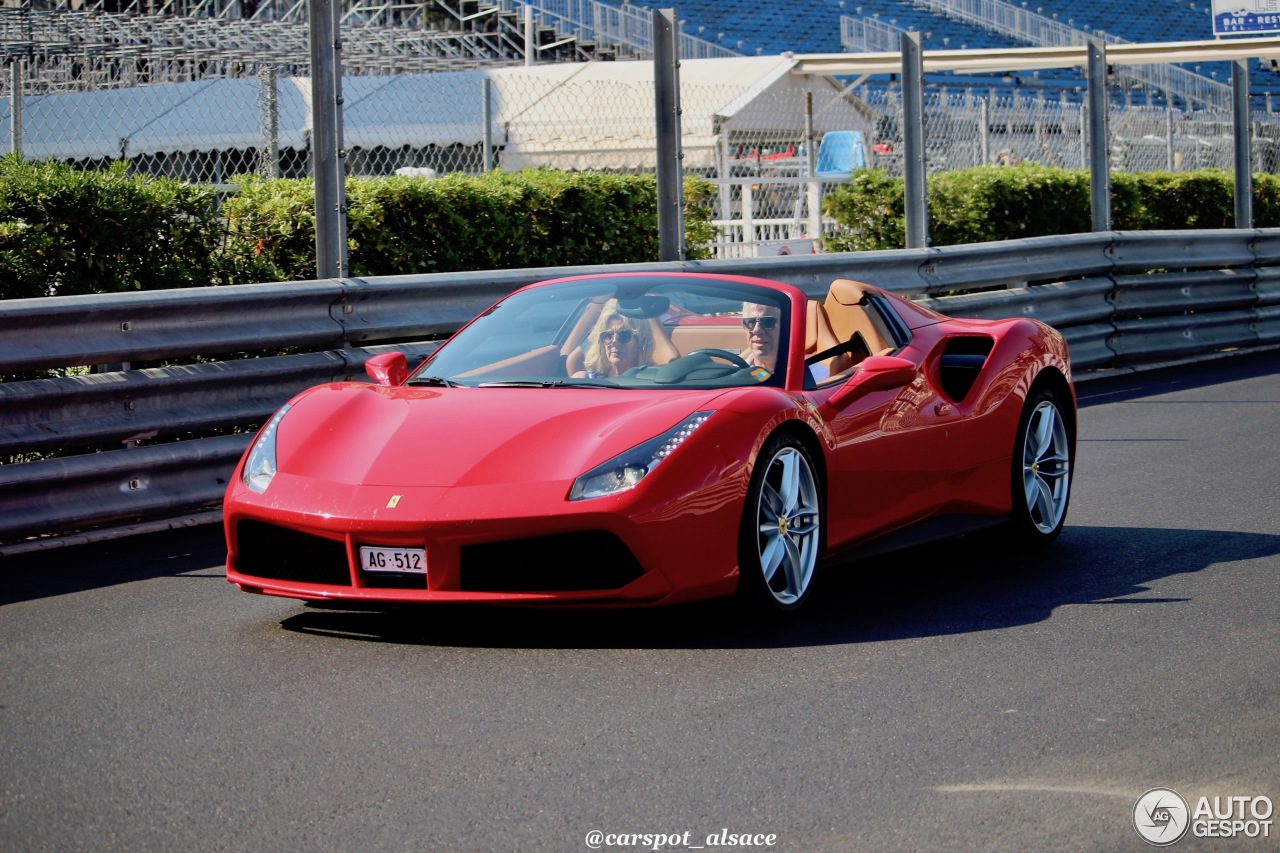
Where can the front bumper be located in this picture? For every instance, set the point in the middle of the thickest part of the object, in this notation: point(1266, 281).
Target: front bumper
point(494, 544)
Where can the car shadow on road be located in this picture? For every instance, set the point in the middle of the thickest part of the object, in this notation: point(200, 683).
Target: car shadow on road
point(954, 587)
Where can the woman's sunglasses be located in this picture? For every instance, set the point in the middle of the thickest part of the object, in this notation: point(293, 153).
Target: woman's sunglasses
point(623, 337)
point(766, 323)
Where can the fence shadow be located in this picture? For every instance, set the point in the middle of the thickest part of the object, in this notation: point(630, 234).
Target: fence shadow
point(77, 568)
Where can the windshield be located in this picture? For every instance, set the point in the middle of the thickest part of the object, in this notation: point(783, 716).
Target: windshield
point(625, 331)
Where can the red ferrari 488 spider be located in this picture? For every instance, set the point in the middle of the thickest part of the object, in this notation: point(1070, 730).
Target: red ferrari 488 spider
point(655, 438)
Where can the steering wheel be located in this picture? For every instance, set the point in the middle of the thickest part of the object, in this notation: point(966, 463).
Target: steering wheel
point(731, 357)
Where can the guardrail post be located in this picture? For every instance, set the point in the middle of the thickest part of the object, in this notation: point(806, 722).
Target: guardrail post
point(1099, 167)
point(1243, 148)
point(666, 83)
point(917, 209)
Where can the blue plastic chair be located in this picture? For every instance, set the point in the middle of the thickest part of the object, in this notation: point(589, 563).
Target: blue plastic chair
point(840, 153)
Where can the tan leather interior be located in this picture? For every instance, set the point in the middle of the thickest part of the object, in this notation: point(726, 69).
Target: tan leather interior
point(819, 336)
point(544, 361)
point(720, 336)
point(846, 316)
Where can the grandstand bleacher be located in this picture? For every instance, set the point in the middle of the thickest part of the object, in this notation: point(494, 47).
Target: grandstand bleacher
point(812, 26)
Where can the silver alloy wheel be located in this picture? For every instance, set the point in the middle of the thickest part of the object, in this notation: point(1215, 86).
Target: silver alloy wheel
point(1046, 467)
point(788, 525)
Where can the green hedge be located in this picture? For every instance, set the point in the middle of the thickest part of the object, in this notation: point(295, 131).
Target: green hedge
point(63, 231)
point(403, 225)
point(990, 203)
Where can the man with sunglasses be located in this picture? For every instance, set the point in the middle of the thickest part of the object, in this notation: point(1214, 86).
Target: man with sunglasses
point(761, 324)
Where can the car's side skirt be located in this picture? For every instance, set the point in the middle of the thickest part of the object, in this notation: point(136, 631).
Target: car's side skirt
point(931, 529)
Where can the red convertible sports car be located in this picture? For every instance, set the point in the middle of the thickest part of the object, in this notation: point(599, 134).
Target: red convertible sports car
point(655, 438)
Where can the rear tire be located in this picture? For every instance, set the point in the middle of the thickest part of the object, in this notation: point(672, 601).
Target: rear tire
point(781, 532)
point(1043, 463)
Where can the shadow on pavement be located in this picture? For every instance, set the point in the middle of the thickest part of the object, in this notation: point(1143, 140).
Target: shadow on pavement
point(953, 587)
point(76, 568)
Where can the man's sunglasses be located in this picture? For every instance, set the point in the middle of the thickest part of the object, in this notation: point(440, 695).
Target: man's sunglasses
point(766, 323)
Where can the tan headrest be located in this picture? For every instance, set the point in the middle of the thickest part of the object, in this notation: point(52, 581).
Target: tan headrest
point(849, 292)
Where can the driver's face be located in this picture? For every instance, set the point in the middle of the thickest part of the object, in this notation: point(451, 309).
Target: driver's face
point(762, 337)
point(621, 350)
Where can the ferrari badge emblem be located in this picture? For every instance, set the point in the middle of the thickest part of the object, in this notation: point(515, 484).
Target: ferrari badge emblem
point(395, 499)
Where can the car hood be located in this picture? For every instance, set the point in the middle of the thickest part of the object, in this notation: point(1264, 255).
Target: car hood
point(366, 434)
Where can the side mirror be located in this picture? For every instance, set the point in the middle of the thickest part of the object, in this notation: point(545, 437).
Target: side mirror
point(875, 373)
point(387, 369)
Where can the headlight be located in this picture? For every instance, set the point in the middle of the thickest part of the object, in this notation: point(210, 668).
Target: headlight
point(626, 470)
point(260, 466)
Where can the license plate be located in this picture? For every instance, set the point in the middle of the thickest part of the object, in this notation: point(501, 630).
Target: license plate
point(405, 560)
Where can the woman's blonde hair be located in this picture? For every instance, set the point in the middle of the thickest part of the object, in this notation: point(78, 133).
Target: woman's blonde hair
point(595, 360)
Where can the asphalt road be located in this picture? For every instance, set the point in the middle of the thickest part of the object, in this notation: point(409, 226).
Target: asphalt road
point(947, 698)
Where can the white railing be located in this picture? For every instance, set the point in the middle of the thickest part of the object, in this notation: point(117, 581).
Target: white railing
point(869, 35)
point(628, 27)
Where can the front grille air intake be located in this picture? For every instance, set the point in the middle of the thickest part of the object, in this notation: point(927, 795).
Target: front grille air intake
point(278, 553)
point(587, 560)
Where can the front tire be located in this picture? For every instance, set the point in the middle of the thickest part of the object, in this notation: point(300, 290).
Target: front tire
point(781, 533)
point(1043, 462)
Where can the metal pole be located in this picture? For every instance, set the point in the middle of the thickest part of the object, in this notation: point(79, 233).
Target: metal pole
point(272, 107)
point(1168, 128)
point(813, 199)
point(339, 146)
point(1243, 147)
point(324, 147)
point(725, 190)
point(15, 107)
point(1083, 112)
point(1099, 168)
point(530, 49)
point(666, 82)
point(984, 130)
point(486, 108)
point(917, 209)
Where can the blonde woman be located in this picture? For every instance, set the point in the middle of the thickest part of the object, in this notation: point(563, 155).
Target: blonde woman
point(617, 344)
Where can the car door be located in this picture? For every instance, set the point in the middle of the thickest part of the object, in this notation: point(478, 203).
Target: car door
point(890, 461)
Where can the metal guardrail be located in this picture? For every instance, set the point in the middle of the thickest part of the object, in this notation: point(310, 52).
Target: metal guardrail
point(1119, 298)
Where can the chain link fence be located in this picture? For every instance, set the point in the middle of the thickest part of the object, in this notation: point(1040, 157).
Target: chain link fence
point(205, 100)
point(971, 128)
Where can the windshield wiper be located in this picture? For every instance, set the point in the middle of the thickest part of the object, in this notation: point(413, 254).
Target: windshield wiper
point(539, 383)
point(438, 381)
